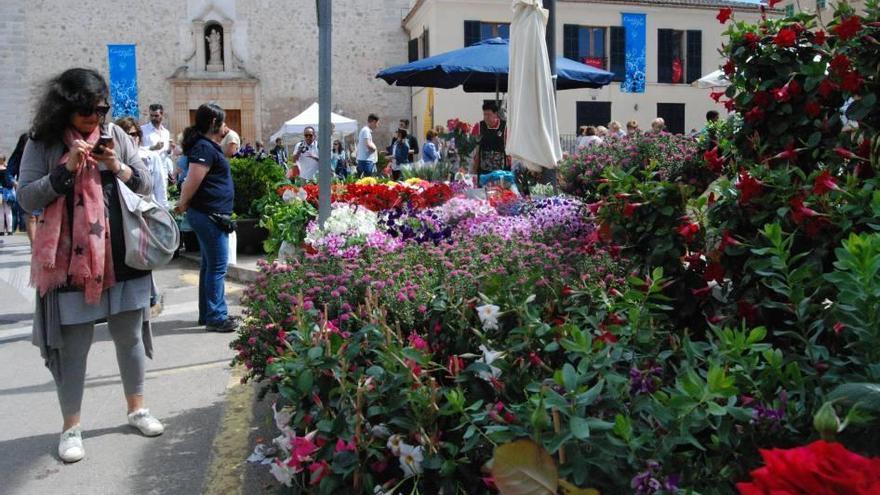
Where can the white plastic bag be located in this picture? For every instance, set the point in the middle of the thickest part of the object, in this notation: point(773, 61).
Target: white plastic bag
point(233, 249)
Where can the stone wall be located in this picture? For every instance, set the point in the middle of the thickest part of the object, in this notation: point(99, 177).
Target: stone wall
point(277, 41)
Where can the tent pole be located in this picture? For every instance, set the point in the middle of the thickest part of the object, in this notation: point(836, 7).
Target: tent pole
point(325, 175)
point(549, 175)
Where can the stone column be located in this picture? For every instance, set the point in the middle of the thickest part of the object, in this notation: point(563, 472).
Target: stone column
point(199, 37)
point(227, 46)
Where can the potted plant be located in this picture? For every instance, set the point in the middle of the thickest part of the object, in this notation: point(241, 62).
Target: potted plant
point(253, 180)
point(286, 213)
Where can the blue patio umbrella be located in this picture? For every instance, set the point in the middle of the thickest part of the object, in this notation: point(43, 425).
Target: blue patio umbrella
point(483, 68)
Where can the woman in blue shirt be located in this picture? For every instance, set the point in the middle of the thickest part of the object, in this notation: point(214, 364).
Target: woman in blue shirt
point(206, 197)
point(430, 154)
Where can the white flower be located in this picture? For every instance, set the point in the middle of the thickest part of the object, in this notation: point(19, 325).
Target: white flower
point(394, 443)
point(488, 314)
point(489, 356)
point(827, 303)
point(380, 431)
point(411, 460)
point(282, 472)
point(282, 416)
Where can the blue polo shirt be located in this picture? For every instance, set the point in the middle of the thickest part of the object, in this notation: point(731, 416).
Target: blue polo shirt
point(217, 192)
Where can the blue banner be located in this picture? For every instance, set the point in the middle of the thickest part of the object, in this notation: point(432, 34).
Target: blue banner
point(634, 27)
point(123, 80)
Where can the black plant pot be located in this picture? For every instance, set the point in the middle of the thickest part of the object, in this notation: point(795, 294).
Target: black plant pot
point(250, 236)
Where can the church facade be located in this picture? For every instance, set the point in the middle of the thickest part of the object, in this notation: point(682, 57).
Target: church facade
point(258, 59)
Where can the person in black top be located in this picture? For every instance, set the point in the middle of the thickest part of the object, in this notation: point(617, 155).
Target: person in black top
point(207, 198)
point(491, 153)
point(20, 219)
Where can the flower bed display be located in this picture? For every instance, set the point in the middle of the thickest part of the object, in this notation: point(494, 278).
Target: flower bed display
point(654, 334)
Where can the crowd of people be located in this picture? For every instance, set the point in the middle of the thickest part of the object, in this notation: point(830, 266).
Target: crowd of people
point(589, 136)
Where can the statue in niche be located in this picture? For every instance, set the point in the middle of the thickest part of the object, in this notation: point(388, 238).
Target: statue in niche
point(215, 51)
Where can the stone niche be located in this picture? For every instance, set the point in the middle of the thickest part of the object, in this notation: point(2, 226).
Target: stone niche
point(213, 72)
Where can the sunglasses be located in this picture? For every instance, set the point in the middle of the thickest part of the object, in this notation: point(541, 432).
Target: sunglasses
point(134, 134)
point(100, 110)
point(309, 135)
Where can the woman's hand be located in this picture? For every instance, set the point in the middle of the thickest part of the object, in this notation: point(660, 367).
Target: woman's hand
point(108, 157)
point(180, 208)
point(75, 156)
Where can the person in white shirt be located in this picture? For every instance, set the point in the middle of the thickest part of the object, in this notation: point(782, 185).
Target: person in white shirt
point(158, 162)
point(588, 138)
point(616, 130)
point(156, 135)
point(367, 152)
point(231, 143)
point(306, 155)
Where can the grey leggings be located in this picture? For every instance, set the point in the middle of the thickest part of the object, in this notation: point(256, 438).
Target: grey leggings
point(125, 328)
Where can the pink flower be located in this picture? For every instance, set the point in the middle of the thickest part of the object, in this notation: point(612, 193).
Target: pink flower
point(319, 471)
point(417, 342)
point(823, 183)
point(343, 446)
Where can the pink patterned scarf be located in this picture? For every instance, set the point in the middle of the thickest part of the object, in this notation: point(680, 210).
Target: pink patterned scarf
point(81, 257)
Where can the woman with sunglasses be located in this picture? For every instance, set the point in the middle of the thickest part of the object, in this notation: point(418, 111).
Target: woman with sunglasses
point(70, 171)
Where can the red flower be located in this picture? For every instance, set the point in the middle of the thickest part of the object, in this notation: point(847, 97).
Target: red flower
point(702, 291)
point(751, 39)
point(823, 183)
point(729, 67)
point(812, 109)
point(826, 88)
point(749, 187)
point(781, 94)
point(716, 95)
point(630, 209)
point(790, 153)
point(851, 82)
point(799, 212)
point(715, 271)
point(727, 240)
point(772, 3)
point(848, 28)
point(713, 161)
point(819, 38)
point(794, 88)
point(456, 364)
point(762, 98)
point(820, 468)
point(730, 105)
point(838, 327)
point(845, 153)
point(724, 15)
point(688, 231)
point(607, 337)
point(747, 310)
point(755, 115)
point(785, 37)
point(840, 64)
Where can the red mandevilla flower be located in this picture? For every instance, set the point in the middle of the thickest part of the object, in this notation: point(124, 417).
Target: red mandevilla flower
point(727, 240)
point(840, 64)
point(715, 271)
point(688, 231)
point(785, 38)
point(716, 95)
point(818, 468)
point(749, 187)
point(799, 212)
point(724, 15)
point(630, 209)
point(755, 115)
point(823, 183)
point(848, 28)
point(819, 37)
point(812, 109)
point(751, 39)
point(851, 82)
point(729, 67)
point(826, 88)
point(713, 161)
point(762, 98)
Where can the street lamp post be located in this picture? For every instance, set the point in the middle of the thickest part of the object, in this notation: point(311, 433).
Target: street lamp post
point(325, 175)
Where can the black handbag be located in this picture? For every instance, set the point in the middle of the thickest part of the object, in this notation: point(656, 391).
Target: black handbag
point(225, 222)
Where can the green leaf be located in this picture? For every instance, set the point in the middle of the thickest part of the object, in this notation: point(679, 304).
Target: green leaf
point(589, 397)
point(305, 380)
point(715, 409)
point(315, 353)
point(569, 377)
point(579, 428)
point(867, 395)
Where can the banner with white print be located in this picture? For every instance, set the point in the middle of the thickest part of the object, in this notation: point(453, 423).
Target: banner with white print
point(123, 80)
point(634, 79)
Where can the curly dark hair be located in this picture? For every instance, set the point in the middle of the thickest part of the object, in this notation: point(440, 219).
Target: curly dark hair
point(65, 94)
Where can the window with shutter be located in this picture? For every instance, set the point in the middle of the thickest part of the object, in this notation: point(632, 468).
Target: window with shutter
point(570, 41)
point(664, 55)
point(618, 52)
point(673, 115)
point(694, 55)
point(471, 32)
point(413, 50)
point(426, 51)
point(592, 113)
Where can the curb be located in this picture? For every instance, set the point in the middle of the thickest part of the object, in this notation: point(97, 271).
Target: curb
point(235, 273)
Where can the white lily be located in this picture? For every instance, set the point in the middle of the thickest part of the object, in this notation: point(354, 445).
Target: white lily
point(488, 314)
point(282, 472)
point(394, 444)
point(411, 460)
point(489, 357)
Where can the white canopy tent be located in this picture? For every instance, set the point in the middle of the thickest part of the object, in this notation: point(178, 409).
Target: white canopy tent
point(309, 118)
point(534, 130)
point(716, 79)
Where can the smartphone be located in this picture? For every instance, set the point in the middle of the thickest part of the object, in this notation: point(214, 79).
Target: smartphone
point(102, 143)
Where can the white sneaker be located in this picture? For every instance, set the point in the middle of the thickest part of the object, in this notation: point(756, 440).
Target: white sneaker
point(146, 423)
point(70, 447)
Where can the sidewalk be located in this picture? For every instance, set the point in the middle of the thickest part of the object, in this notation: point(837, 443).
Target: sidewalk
point(244, 271)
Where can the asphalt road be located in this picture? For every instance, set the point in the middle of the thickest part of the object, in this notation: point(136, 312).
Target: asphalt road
point(189, 386)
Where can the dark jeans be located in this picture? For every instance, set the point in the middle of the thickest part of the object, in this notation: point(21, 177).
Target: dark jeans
point(366, 168)
point(214, 244)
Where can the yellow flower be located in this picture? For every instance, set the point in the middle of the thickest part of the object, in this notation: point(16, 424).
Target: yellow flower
point(367, 181)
